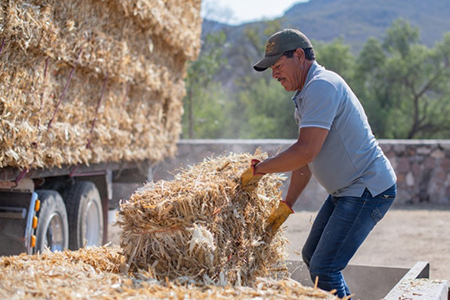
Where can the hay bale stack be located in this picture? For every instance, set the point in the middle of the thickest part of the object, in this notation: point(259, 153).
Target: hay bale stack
point(203, 226)
point(94, 273)
point(93, 81)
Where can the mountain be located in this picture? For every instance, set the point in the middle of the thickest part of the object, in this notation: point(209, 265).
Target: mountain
point(325, 20)
point(357, 20)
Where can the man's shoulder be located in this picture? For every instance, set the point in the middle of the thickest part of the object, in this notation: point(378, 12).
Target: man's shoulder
point(320, 82)
point(322, 74)
point(323, 82)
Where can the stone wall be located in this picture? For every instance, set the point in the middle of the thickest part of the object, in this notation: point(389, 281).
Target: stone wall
point(422, 167)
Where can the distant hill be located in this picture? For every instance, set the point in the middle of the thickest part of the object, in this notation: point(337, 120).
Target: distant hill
point(356, 20)
point(353, 20)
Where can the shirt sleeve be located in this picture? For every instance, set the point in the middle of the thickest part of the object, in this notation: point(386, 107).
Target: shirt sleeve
point(320, 105)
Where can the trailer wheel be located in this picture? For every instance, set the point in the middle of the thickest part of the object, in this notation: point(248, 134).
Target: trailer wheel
point(52, 231)
point(85, 215)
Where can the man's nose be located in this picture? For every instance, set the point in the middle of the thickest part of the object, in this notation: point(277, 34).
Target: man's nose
point(274, 74)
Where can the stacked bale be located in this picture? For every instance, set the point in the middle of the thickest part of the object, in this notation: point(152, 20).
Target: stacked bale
point(93, 81)
point(204, 226)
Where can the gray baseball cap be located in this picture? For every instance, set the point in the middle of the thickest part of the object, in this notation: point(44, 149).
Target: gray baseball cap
point(278, 43)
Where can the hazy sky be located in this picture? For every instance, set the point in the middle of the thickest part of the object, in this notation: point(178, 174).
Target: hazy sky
point(241, 11)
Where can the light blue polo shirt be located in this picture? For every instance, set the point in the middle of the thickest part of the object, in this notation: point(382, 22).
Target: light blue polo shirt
point(350, 159)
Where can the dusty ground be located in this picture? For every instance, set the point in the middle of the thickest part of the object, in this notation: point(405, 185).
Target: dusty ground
point(404, 237)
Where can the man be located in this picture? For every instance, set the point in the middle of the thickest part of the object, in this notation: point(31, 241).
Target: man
point(336, 145)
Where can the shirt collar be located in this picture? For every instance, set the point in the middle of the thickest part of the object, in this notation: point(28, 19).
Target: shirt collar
point(311, 72)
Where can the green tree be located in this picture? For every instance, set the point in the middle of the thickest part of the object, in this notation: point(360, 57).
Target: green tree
point(269, 111)
point(201, 102)
point(336, 56)
point(372, 86)
point(262, 107)
point(402, 84)
point(211, 108)
point(405, 84)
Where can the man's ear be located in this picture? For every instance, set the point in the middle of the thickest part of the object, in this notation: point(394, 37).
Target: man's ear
point(299, 53)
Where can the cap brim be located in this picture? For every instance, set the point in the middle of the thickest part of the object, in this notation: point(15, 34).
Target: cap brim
point(266, 62)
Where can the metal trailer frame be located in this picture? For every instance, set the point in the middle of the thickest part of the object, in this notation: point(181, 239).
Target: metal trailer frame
point(383, 283)
point(114, 181)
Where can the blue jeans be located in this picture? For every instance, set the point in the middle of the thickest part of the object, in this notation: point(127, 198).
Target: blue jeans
point(341, 226)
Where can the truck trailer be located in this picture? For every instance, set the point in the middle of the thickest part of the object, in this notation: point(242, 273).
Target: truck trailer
point(90, 99)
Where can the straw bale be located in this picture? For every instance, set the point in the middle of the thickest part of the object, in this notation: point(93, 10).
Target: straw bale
point(203, 226)
point(169, 19)
point(98, 273)
point(108, 34)
point(94, 37)
point(85, 82)
point(129, 122)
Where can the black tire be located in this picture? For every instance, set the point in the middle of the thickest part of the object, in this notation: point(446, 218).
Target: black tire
point(52, 230)
point(85, 215)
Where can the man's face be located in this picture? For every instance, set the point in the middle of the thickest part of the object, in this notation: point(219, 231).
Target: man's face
point(288, 72)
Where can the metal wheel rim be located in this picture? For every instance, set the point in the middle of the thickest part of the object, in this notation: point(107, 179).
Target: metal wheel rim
point(54, 235)
point(92, 224)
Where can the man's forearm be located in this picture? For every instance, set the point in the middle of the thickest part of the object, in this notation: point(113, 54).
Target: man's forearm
point(299, 180)
point(289, 160)
point(298, 155)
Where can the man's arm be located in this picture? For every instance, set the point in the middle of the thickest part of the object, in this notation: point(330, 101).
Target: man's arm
point(299, 180)
point(298, 155)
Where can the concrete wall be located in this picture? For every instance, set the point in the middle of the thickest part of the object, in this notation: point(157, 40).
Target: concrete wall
point(422, 167)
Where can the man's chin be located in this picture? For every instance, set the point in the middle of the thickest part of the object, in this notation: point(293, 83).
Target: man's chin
point(287, 88)
point(282, 84)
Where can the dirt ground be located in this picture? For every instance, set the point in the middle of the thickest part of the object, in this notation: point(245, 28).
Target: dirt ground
point(402, 238)
point(405, 236)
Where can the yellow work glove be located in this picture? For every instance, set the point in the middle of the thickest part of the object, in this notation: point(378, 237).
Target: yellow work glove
point(277, 218)
point(249, 179)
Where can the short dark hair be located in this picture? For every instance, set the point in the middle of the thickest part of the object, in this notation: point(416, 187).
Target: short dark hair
point(309, 53)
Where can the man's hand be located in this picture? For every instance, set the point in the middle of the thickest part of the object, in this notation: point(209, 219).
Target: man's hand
point(249, 179)
point(277, 218)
